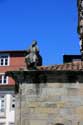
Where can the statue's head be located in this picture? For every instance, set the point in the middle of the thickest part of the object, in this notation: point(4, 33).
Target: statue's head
point(34, 42)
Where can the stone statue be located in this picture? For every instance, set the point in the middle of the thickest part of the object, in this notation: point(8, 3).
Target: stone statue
point(33, 58)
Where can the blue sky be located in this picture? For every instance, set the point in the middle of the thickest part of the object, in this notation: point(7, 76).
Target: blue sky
point(53, 23)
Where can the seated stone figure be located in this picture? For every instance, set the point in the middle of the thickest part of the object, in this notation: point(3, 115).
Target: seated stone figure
point(33, 58)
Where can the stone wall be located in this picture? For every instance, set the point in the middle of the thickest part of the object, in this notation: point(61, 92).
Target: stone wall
point(53, 103)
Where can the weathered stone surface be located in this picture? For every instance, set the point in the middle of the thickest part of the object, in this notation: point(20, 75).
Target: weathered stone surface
point(55, 103)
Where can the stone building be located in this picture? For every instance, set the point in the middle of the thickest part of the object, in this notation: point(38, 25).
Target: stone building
point(50, 95)
point(9, 60)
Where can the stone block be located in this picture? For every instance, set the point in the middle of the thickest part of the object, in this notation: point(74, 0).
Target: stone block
point(38, 122)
